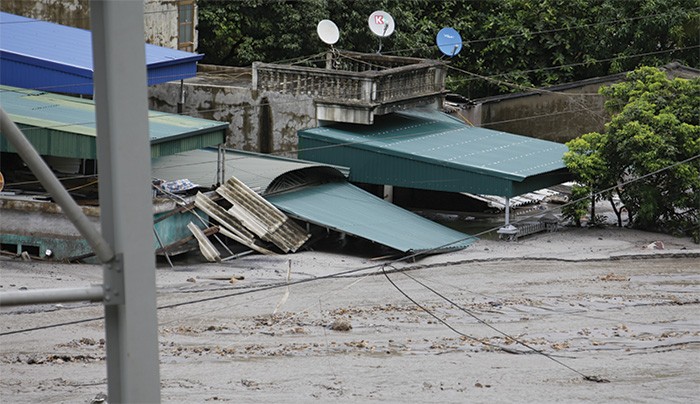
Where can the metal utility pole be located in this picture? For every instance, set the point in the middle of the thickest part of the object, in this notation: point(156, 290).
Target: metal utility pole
point(126, 217)
point(125, 244)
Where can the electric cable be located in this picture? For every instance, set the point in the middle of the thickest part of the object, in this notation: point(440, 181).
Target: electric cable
point(518, 340)
point(477, 76)
point(524, 34)
point(356, 270)
point(208, 299)
point(542, 69)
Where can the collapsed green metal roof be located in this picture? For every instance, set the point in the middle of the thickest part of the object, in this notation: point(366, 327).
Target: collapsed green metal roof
point(318, 194)
point(343, 207)
point(432, 150)
point(63, 126)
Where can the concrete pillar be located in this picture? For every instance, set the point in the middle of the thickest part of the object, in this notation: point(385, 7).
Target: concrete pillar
point(507, 211)
point(388, 193)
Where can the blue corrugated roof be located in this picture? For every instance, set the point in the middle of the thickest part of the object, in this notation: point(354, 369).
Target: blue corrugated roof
point(46, 56)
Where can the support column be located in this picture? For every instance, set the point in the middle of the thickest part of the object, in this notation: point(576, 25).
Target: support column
point(126, 216)
point(221, 164)
point(508, 231)
point(507, 211)
point(181, 100)
point(389, 193)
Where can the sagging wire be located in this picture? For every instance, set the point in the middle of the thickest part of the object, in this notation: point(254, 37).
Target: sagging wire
point(590, 378)
point(600, 192)
point(209, 299)
point(350, 271)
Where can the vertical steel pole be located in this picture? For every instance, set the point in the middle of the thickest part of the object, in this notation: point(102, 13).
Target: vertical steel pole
point(507, 211)
point(181, 100)
point(123, 151)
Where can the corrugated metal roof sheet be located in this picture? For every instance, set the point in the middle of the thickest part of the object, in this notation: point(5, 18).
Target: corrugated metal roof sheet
point(336, 205)
point(42, 55)
point(256, 170)
point(64, 126)
point(431, 150)
point(344, 207)
point(231, 226)
point(261, 217)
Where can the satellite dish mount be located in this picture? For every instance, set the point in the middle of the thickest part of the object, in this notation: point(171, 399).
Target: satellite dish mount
point(328, 33)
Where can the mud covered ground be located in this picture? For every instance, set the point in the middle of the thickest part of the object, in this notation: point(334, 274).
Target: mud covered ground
point(595, 301)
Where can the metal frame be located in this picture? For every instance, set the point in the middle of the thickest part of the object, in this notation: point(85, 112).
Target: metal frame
point(128, 289)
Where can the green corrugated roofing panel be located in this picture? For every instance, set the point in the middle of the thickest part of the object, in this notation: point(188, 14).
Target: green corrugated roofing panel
point(64, 126)
point(431, 150)
point(344, 207)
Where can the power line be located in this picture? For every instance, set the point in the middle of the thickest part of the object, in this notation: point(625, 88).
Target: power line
point(475, 75)
point(589, 62)
point(585, 377)
point(519, 341)
point(360, 269)
point(525, 34)
point(208, 299)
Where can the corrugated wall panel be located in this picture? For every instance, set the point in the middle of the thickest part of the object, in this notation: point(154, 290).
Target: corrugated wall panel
point(27, 75)
point(50, 142)
point(184, 144)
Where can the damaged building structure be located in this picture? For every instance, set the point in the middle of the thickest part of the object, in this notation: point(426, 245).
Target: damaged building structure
point(334, 132)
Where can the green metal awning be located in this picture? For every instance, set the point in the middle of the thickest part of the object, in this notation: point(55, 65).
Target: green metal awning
point(432, 150)
point(346, 208)
point(58, 125)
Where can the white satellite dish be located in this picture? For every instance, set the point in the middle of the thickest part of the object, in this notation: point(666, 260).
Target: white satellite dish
point(381, 23)
point(328, 32)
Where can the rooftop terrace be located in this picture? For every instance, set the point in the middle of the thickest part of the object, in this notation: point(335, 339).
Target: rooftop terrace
point(354, 87)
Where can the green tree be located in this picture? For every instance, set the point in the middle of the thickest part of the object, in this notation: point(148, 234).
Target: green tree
point(585, 159)
point(650, 151)
point(529, 43)
point(239, 33)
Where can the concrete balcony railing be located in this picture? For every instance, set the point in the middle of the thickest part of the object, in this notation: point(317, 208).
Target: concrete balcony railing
point(354, 87)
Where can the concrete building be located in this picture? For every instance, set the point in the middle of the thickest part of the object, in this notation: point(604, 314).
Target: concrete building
point(559, 113)
point(267, 105)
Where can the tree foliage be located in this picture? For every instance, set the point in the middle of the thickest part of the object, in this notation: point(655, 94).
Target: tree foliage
point(649, 153)
point(521, 42)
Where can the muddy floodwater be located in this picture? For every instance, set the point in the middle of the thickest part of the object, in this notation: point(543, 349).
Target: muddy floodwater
point(526, 321)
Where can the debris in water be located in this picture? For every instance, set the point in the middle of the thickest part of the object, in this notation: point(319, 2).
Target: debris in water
point(341, 325)
point(656, 245)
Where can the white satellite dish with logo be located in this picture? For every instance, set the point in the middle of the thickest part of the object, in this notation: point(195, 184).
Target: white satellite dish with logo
point(381, 23)
point(328, 32)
